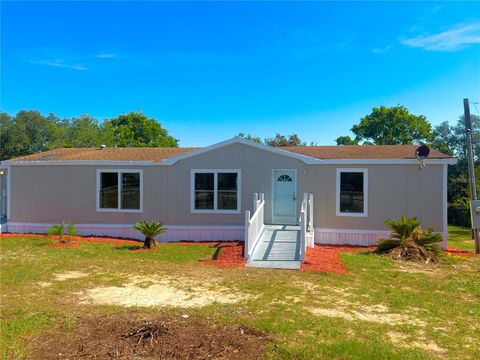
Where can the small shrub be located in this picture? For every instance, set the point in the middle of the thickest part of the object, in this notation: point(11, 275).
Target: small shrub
point(62, 229)
point(409, 241)
point(149, 230)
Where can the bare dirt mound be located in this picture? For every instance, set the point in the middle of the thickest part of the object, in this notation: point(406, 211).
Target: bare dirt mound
point(159, 337)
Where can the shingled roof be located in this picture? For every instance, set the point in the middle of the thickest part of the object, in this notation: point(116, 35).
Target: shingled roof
point(107, 154)
point(362, 152)
point(162, 153)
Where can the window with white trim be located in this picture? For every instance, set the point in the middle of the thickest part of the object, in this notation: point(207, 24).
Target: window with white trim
point(352, 192)
point(216, 191)
point(119, 190)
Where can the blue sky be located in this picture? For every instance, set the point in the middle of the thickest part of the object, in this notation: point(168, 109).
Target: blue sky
point(208, 71)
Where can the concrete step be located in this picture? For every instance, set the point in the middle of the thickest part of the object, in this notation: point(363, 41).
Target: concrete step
point(274, 264)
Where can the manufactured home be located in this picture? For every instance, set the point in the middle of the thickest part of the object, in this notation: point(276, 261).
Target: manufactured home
point(233, 190)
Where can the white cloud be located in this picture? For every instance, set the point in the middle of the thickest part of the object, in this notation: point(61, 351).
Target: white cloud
point(454, 39)
point(105, 56)
point(59, 64)
point(383, 50)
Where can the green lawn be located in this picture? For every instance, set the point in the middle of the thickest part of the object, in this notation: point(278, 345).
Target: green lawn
point(379, 310)
point(460, 237)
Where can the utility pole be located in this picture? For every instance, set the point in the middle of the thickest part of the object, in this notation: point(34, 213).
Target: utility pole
point(471, 168)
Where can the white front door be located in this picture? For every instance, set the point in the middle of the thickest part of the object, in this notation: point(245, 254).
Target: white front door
point(284, 197)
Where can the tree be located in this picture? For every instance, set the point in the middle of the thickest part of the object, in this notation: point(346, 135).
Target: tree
point(256, 139)
point(6, 134)
point(282, 140)
point(27, 133)
point(392, 126)
point(450, 139)
point(459, 141)
point(149, 230)
point(85, 131)
point(137, 130)
point(443, 138)
point(346, 140)
point(278, 140)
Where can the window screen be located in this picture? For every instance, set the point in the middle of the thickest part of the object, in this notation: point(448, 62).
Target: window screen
point(130, 191)
point(204, 191)
point(352, 195)
point(227, 191)
point(109, 190)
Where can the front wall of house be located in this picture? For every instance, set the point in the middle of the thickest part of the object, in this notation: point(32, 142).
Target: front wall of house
point(393, 191)
point(256, 177)
point(50, 194)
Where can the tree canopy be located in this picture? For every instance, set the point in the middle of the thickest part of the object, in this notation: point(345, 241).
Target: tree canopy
point(390, 126)
point(137, 130)
point(277, 140)
point(30, 132)
point(346, 140)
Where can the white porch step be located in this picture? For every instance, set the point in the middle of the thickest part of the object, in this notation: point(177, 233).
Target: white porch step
point(272, 264)
point(277, 248)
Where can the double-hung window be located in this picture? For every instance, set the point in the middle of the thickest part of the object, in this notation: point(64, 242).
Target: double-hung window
point(215, 191)
point(352, 192)
point(120, 190)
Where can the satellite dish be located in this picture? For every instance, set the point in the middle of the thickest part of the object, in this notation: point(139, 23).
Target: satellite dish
point(421, 154)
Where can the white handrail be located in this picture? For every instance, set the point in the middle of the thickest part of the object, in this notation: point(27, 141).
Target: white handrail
point(303, 229)
point(310, 212)
point(254, 225)
point(310, 227)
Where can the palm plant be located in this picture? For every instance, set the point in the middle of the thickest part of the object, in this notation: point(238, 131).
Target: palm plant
point(61, 229)
point(409, 241)
point(149, 230)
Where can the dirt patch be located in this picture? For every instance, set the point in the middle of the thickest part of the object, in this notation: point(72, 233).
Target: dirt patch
point(69, 275)
point(326, 258)
point(338, 303)
point(430, 269)
point(420, 342)
point(162, 292)
point(163, 337)
point(375, 313)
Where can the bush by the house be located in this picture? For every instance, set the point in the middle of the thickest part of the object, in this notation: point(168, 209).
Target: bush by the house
point(62, 229)
point(149, 230)
point(409, 241)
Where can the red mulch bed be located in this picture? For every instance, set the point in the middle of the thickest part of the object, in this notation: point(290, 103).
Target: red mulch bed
point(322, 258)
point(115, 241)
point(326, 258)
point(227, 255)
point(460, 252)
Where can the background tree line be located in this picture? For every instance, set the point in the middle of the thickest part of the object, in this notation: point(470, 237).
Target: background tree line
point(30, 132)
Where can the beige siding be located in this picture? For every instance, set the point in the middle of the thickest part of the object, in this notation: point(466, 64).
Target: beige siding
point(393, 190)
point(49, 194)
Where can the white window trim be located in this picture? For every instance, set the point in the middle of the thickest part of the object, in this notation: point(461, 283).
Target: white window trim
point(215, 191)
point(119, 172)
point(365, 192)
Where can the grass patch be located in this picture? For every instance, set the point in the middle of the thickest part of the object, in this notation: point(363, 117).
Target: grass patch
point(379, 309)
point(460, 237)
